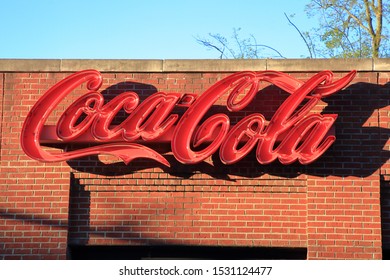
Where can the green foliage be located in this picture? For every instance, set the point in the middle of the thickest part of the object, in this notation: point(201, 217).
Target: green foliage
point(347, 29)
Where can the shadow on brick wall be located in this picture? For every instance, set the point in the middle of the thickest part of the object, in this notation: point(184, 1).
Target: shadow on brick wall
point(359, 147)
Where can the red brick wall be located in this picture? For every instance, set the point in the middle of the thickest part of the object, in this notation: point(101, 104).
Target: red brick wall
point(34, 197)
point(332, 207)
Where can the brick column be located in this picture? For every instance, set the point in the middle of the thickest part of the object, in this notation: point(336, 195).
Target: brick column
point(34, 196)
point(344, 210)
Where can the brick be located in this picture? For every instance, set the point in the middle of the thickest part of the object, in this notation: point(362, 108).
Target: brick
point(331, 207)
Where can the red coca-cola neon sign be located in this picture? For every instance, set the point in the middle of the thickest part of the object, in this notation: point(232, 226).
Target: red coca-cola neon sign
point(301, 134)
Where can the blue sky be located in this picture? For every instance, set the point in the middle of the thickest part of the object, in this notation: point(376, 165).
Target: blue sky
point(146, 29)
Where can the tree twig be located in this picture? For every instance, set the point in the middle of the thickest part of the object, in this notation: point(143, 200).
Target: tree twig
point(268, 47)
point(300, 33)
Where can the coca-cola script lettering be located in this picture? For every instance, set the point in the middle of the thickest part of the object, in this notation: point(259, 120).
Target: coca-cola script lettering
point(293, 133)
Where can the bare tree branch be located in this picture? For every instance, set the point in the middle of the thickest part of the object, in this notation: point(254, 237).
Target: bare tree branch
point(300, 33)
point(268, 47)
point(244, 48)
point(208, 44)
point(256, 52)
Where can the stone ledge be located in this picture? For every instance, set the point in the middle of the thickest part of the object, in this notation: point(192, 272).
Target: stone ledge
point(315, 65)
point(214, 65)
point(30, 65)
point(193, 65)
point(108, 65)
